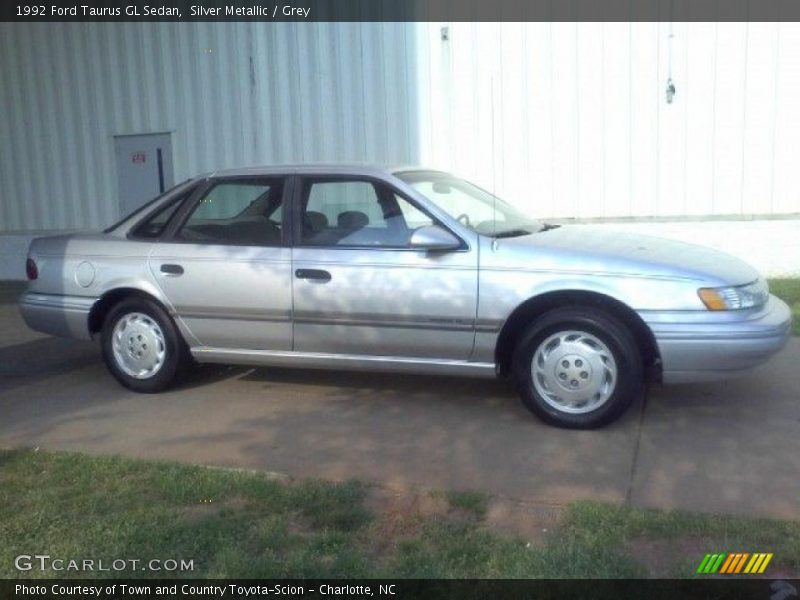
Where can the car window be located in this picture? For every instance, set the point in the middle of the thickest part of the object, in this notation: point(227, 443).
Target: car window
point(337, 197)
point(357, 213)
point(453, 200)
point(154, 226)
point(474, 208)
point(189, 187)
point(414, 217)
point(241, 213)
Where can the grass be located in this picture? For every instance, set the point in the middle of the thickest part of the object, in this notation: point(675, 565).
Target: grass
point(675, 541)
point(469, 501)
point(236, 524)
point(789, 291)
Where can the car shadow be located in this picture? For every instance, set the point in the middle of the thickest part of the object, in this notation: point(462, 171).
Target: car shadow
point(400, 382)
point(41, 359)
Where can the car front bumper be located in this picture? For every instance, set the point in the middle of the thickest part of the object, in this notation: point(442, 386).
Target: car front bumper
point(708, 346)
point(65, 316)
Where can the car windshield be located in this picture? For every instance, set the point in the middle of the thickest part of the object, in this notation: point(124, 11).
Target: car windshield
point(470, 205)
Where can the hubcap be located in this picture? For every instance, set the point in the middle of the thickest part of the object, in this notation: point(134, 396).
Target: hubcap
point(138, 345)
point(574, 372)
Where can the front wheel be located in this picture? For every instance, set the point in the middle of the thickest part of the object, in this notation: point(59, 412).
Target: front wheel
point(142, 347)
point(578, 368)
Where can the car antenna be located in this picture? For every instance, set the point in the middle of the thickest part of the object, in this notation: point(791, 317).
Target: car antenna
point(494, 178)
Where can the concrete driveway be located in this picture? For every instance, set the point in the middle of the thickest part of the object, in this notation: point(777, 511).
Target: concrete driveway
point(732, 447)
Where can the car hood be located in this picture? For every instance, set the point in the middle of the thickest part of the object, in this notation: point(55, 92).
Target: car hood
point(601, 250)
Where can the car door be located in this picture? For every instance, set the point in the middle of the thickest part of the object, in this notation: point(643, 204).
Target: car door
point(358, 287)
point(226, 265)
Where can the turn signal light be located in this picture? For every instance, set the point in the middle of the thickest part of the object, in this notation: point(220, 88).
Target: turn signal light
point(31, 270)
point(751, 295)
point(712, 299)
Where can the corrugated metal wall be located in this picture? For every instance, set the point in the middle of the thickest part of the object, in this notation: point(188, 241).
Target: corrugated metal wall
point(568, 120)
point(232, 94)
point(571, 120)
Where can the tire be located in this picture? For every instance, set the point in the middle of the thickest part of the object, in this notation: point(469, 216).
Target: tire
point(578, 368)
point(142, 347)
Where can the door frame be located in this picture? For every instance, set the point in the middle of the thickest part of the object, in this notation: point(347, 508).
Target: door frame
point(164, 187)
point(169, 238)
point(382, 184)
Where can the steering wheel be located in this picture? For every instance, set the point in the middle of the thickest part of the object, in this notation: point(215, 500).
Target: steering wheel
point(463, 218)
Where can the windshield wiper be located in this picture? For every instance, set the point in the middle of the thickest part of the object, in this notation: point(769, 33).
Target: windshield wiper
point(549, 226)
point(511, 233)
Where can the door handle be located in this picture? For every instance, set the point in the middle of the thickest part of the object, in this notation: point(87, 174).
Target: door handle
point(316, 274)
point(172, 269)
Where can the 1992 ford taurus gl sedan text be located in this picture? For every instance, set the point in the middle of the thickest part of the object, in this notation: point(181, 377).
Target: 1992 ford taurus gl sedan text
point(399, 270)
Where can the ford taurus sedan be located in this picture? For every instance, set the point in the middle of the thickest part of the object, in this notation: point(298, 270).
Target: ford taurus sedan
point(399, 270)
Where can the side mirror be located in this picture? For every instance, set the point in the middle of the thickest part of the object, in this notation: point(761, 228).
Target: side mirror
point(434, 238)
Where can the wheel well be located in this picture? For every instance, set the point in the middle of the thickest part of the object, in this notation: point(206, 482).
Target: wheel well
point(97, 315)
point(531, 309)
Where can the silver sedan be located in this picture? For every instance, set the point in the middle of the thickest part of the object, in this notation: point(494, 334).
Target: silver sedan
point(353, 267)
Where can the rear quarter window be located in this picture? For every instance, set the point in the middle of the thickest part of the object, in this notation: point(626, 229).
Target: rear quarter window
point(155, 224)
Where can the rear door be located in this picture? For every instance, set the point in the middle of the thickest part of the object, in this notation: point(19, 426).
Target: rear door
point(359, 288)
point(226, 265)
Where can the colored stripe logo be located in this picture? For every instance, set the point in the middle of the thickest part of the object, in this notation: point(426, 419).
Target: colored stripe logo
point(736, 562)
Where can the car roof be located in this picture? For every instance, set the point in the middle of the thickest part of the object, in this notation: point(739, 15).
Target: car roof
point(364, 169)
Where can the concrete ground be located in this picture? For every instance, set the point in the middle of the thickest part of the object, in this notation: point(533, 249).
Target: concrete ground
point(732, 447)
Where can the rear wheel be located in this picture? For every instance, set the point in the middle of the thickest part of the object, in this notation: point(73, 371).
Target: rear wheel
point(578, 367)
point(142, 347)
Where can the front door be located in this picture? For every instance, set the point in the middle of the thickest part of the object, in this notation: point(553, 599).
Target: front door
point(359, 288)
point(227, 268)
point(144, 168)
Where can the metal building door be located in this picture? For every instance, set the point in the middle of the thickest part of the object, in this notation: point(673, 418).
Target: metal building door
point(144, 168)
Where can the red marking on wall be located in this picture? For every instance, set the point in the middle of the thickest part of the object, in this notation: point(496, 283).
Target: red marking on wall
point(138, 158)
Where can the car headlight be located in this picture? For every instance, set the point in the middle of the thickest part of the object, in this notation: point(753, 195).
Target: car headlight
point(735, 297)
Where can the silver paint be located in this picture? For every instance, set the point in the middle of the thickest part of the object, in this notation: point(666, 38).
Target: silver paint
point(406, 309)
point(574, 372)
point(138, 345)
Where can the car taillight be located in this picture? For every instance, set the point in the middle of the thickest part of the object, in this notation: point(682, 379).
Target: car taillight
point(31, 270)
